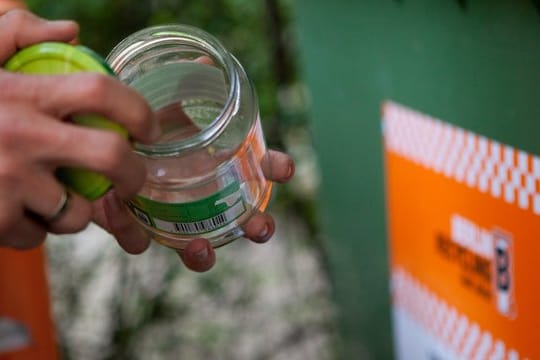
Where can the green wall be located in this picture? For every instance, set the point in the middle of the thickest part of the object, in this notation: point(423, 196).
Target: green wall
point(472, 63)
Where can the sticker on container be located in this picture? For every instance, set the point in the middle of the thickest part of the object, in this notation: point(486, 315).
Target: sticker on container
point(192, 218)
point(463, 223)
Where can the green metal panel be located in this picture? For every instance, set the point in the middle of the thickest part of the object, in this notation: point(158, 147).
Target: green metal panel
point(473, 63)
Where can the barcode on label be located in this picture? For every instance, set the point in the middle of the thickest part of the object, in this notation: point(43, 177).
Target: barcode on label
point(203, 226)
point(198, 226)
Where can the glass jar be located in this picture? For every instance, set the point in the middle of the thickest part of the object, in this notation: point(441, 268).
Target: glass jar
point(204, 173)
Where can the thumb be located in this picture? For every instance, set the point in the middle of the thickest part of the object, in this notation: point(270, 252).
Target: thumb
point(20, 28)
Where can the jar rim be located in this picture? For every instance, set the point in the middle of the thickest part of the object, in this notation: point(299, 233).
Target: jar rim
point(149, 38)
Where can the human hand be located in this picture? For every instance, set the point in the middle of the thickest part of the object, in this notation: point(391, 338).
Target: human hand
point(113, 215)
point(36, 139)
point(199, 254)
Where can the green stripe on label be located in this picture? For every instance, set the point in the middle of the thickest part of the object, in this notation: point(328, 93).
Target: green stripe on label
point(196, 217)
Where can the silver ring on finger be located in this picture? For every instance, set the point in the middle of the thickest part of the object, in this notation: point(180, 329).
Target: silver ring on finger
point(61, 207)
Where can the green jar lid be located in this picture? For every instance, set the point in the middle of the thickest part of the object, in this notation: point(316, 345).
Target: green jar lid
point(60, 58)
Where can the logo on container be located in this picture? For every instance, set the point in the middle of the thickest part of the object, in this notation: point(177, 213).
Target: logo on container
point(495, 246)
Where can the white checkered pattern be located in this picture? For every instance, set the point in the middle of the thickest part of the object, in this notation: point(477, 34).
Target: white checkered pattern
point(463, 337)
point(486, 165)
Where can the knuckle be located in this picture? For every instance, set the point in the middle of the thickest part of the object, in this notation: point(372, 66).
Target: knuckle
point(141, 114)
point(61, 139)
point(14, 127)
point(76, 219)
point(79, 223)
point(16, 18)
point(10, 174)
point(113, 153)
point(94, 87)
point(19, 93)
point(82, 215)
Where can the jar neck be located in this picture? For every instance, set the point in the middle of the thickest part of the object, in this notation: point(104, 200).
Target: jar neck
point(170, 39)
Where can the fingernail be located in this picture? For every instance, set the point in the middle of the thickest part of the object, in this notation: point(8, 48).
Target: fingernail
point(290, 169)
point(202, 254)
point(264, 234)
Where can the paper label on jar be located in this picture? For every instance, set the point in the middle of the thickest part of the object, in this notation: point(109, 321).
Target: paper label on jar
point(192, 218)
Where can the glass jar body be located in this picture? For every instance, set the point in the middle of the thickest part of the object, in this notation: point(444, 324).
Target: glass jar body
point(204, 175)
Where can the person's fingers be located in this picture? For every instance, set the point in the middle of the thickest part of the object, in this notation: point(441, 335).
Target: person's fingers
point(84, 93)
point(112, 215)
point(47, 142)
point(16, 229)
point(277, 166)
point(20, 28)
point(122, 226)
point(198, 255)
point(42, 197)
point(99, 217)
point(259, 228)
point(172, 117)
point(45, 202)
point(98, 150)
point(205, 60)
point(76, 217)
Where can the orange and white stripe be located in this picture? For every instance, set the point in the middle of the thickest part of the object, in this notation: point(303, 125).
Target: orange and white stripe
point(490, 167)
point(457, 336)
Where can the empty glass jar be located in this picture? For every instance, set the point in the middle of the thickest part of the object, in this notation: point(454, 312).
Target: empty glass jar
point(204, 173)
